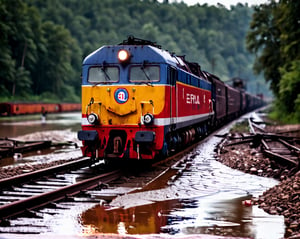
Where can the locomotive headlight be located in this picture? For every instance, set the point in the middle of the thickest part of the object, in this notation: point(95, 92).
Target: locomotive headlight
point(123, 56)
point(148, 119)
point(93, 118)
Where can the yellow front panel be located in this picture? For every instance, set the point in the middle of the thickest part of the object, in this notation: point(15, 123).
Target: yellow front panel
point(142, 99)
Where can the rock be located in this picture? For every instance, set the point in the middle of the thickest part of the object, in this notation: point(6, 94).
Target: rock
point(253, 170)
point(253, 152)
point(296, 187)
point(260, 172)
point(283, 177)
point(294, 225)
point(273, 212)
point(283, 199)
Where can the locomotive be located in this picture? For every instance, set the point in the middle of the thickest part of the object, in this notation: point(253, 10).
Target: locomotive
point(141, 102)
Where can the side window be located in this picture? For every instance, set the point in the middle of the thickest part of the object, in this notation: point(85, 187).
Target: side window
point(172, 76)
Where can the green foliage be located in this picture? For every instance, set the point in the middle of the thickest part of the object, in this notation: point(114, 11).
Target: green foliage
point(242, 126)
point(263, 39)
point(43, 42)
point(275, 37)
point(289, 94)
point(37, 56)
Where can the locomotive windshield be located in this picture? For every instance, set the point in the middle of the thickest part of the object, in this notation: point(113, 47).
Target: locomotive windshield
point(144, 73)
point(101, 74)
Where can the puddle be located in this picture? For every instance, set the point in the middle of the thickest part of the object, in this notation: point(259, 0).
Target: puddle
point(206, 199)
point(185, 217)
point(57, 128)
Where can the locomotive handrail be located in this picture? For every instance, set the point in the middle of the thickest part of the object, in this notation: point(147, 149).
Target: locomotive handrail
point(92, 101)
point(131, 40)
point(150, 102)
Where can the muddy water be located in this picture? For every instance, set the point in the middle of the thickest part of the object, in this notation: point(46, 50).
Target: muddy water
point(209, 198)
point(20, 125)
point(57, 127)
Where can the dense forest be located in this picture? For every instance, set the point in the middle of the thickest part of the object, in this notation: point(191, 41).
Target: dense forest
point(274, 36)
point(43, 42)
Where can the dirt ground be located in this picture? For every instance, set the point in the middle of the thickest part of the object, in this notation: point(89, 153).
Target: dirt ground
point(283, 199)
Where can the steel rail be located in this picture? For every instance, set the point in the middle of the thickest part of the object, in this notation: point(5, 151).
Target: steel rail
point(281, 157)
point(22, 178)
point(267, 150)
point(18, 207)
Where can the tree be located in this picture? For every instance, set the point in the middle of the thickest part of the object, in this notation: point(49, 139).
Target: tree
point(275, 37)
point(50, 38)
point(57, 61)
point(263, 38)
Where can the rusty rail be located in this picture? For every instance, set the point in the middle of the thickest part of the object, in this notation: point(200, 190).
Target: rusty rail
point(268, 151)
point(7, 182)
point(287, 155)
point(18, 207)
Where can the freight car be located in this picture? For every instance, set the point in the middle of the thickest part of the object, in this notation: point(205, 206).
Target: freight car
point(15, 108)
point(140, 101)
point(68, 107)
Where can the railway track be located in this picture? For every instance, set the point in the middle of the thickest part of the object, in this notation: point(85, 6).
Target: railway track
point(281, 149)
point(31, 194)
point(276, 146)
point(30, 191)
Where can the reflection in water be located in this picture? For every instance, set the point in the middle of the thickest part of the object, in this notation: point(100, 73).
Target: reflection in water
point(122, 228)
point(28, 157)
point(21, 125)
point(207, 199)
point(185, 217)
point(228, 217)
point(144, 219)
point(12, 127)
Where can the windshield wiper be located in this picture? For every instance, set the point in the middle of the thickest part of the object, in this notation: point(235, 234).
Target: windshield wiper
point(105, 73)
point(143, 70)
point(148, 78)
point(107, 78)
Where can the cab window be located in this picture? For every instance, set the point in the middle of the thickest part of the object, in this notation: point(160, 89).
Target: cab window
point(100, 74)
point(144, 73)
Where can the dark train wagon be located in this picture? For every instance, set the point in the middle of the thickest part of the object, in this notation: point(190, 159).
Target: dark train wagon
point(218, 97)
point(250, 101)
point(233, 104)
point(243, 102)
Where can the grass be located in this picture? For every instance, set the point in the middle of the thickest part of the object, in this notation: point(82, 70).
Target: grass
point(241, 126)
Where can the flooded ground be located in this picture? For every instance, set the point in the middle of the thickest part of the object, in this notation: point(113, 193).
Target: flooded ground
point(208, 198)
point(20, 125)
point(57, 127)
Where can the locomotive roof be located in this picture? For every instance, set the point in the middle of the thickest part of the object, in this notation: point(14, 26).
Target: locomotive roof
point(139, 53)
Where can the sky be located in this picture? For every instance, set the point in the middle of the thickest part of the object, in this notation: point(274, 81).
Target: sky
point(226, 3)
